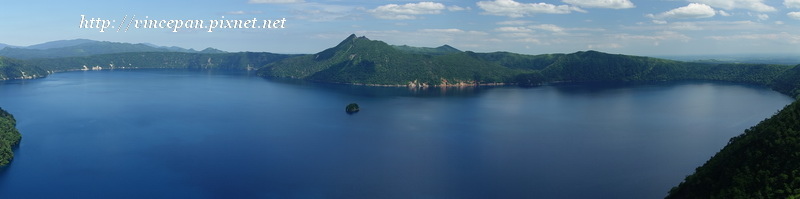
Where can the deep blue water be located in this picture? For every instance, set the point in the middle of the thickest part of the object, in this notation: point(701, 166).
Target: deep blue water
point(185, 134)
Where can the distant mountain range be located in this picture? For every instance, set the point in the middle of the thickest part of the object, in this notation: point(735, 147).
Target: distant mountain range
point(85, 47)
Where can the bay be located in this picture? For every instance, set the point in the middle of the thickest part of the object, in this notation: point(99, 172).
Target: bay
point(190, 134)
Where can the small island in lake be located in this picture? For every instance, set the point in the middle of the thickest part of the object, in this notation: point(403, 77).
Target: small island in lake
point(351, 108)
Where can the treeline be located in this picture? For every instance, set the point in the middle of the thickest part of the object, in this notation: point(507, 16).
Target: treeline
point(228, 61)
point(763, 162)
point(788, 82)
point(593, 66)
point(9, 137)
point(17, 69)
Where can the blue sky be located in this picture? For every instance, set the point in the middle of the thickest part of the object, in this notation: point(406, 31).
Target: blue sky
point(638, 27)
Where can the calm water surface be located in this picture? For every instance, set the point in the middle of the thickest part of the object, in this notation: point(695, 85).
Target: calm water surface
point(185, 134)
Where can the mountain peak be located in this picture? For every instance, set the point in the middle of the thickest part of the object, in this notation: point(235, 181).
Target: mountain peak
point(447, 48)
point(350, 39)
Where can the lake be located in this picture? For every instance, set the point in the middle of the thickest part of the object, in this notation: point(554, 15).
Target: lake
point(192, 134)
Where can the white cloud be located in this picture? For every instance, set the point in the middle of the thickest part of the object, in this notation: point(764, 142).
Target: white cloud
point(778, 37)
point(407, 11)
point(515, 9)
point(529, 40)
point(457, 8)
point(655, 21)
point(794, 15)
point(657, 37)
point(241, 12)
point(723, 13)
point(444, 30)
point(792, 3)
point(453, 31)
point(513, 29)
point(613, 4)
point(693, 10)
point(685, 26)
point(604, 46)
point(762, 17)
point(514, 22)
point(324, 12)
point(548, 27)
point(516, 35)
point(274, 1)
point(754, 5)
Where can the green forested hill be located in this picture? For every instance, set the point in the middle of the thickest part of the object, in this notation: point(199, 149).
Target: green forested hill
point(444, 49)
point(593, 66)
point(17, 69)
point(764, 162)
point(9, 137)
point(520, 61)
point(788, 82)
point(363, 61)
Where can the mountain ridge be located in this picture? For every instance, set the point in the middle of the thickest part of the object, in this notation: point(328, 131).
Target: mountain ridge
point(86, 47)
point(359, 60)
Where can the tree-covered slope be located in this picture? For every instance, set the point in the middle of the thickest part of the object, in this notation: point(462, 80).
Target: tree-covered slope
point(788, 82)
point(520, 61)
point(9, 137)
point(444, 49)
point(16, 69)
point(363, 61)
point(230, 61)
point(593, 66)
point(764, 162)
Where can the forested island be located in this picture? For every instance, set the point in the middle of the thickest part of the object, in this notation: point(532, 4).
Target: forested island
point(9, 137)
point(763, 162)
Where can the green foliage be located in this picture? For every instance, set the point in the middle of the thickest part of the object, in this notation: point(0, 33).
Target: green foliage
point(352, 108)
point(520, 61)
point(530, 79)
point(9, 137)
point(592, 66)
point(763, 162)
point(788, 82)
point(16, 69)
